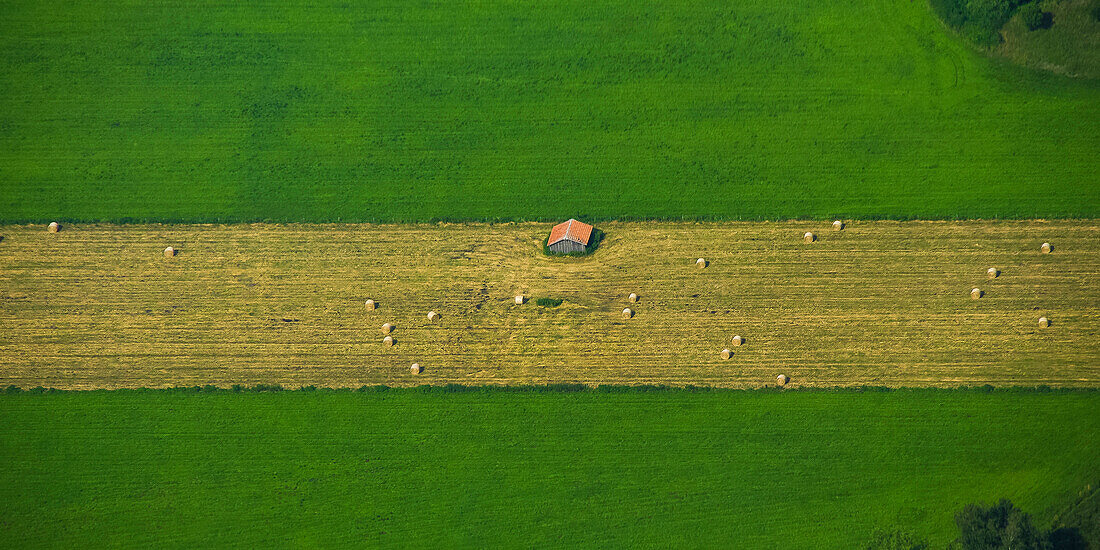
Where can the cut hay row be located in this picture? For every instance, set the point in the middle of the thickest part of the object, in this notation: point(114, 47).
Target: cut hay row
point(878, 303)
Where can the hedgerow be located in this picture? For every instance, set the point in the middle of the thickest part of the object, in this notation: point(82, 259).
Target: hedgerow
point(979, 20)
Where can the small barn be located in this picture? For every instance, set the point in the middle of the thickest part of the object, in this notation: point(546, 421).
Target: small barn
point(570, 236)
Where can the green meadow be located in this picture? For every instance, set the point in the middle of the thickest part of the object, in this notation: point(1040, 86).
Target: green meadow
point(614, 109)
point(519, 468)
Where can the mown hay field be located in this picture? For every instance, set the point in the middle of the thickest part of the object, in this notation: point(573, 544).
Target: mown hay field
point(398, 111)
point(879, 303)
point(428, 469)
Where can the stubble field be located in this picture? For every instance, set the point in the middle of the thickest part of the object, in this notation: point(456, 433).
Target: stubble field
point(879, 303)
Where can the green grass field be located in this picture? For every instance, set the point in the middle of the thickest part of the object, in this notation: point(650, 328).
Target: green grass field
point(410, 468)
point(399, 111)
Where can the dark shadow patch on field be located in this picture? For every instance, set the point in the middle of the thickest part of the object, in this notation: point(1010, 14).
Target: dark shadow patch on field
point(1068, 538)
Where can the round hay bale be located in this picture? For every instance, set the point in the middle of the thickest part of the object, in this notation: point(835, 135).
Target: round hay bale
point(700, 263)
point(387, 328)
point(838, 225)
point(993, 272)
point(54, 227)
point(809, 237)
point(726, 353)
point(371, 305)
point(782, 379)
point(415, 368)
point(976, 293)
point(1046, 248)
point(627, 313)
point(1044, 322)
point(388, 341)
point(633, 297)
point(433, 316)
point(169, 252)
point(737, 340)
point(519, 300)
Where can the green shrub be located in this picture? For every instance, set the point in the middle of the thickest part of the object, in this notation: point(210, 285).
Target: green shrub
point(373, 389)
point(563, 388)
point(978, 20)
point(1001, 525)
point(1033, 16)
point(549, 302)
point(896, 540)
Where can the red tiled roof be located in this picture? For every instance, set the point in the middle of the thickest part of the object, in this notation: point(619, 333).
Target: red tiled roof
point(572, 230)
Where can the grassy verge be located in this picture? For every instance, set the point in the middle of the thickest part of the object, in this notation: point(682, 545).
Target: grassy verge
point(431, 468)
